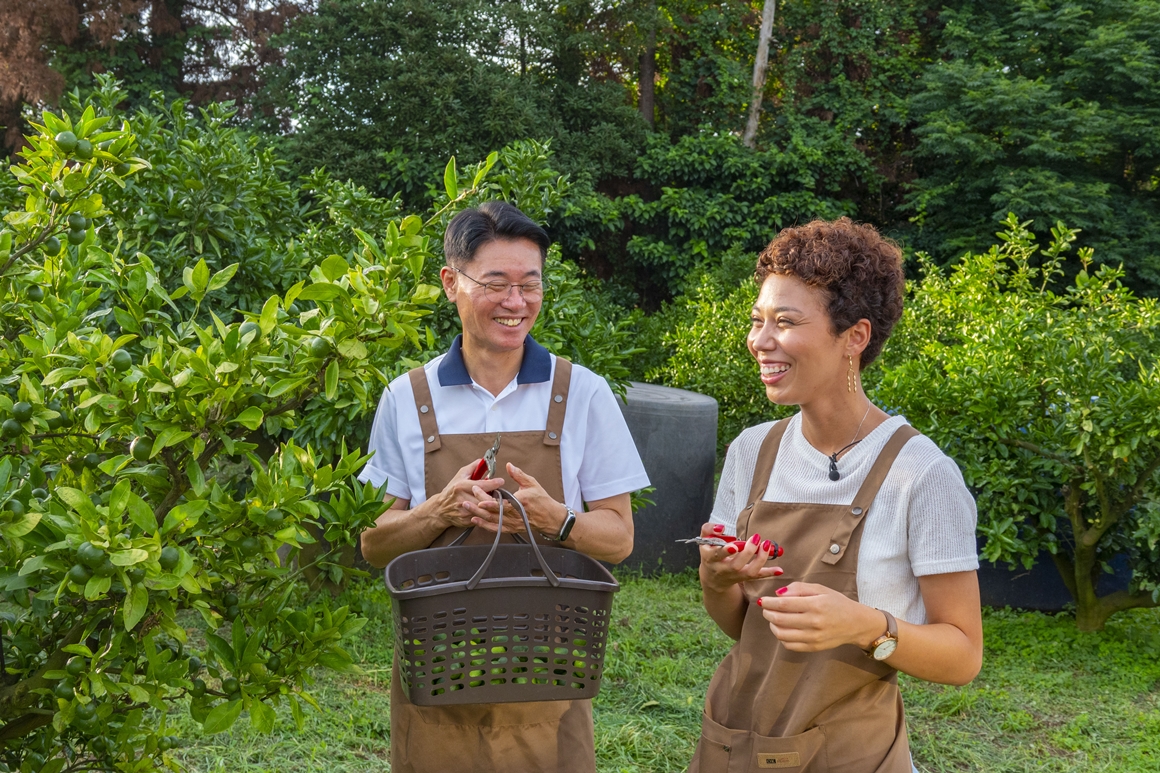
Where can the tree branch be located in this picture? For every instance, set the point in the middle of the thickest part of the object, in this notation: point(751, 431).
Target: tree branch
point(1037, 449)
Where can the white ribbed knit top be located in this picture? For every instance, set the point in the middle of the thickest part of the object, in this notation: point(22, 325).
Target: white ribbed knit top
point(922, 521)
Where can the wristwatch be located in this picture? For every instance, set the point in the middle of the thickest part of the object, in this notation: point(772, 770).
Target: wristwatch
point(569, 522)
point(884, 646)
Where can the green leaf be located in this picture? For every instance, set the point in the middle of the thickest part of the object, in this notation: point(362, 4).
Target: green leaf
point(141, 514)
point(135, 605)
point(286, 384)
point(269, 316)
point(222, 717)
point(251, 418)
point(322, 291)
point(221, 650)
point(129, 557)
point(185, 515)
point(332, 380)
point(450, 179)
point(261, 716)
point(335, 268)
point(223, 277)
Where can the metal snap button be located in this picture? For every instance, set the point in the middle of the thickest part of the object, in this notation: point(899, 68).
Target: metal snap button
point(856, 511)
point(423, 409)
point(835, 549)
point(430, 438)
point(559, 398)
point(552, 435)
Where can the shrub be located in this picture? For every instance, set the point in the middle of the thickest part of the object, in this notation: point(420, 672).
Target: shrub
point(133, 499)
point(1049, 399)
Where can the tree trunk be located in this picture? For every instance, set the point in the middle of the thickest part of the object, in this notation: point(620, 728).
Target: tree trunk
point(648, 71)
point(759, 67)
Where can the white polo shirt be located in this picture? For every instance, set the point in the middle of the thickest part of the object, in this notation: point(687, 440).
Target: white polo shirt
point(597, 454)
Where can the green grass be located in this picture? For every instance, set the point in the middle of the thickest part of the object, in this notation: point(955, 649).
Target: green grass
point(1048, 698)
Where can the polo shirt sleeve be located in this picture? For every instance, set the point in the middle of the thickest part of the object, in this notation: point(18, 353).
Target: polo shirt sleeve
point(386, 465)
point(611, 465)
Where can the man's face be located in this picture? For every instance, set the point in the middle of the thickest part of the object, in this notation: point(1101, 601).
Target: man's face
point(495, 325)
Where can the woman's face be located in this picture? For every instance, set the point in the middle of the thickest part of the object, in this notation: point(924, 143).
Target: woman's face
point(791, 338)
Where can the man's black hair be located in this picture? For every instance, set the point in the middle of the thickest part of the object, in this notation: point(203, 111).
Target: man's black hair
point(489, 222)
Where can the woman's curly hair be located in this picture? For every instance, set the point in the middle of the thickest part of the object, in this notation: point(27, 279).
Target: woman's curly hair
point(858, 269)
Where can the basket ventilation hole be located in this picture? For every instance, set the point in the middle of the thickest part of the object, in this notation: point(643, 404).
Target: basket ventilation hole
point(425, 579)
point(441, 576)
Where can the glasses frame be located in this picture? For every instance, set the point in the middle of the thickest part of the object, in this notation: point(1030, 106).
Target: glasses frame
point(543, 287)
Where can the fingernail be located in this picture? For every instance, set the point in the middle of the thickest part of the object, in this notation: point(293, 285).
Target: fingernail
point(781, 591)
point(755, 539)
point(730, 549)
point(780, 551)
point(778, 573)
point(719, 528)
point(727, 538)
point(765, 546)
point(759, 601)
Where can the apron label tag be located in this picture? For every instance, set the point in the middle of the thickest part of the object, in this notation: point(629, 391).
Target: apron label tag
point(782, 760)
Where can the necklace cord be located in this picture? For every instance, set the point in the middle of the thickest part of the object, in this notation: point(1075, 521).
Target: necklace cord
point(834, 474)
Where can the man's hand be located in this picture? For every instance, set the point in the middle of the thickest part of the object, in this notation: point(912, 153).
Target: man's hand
point(545, 514)
point(451, 505)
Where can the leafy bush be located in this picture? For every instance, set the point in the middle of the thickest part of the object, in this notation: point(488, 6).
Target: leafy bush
point(132, 495)
point(1050, 402)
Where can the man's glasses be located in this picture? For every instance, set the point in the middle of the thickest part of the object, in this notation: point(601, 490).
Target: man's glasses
point(499, 291)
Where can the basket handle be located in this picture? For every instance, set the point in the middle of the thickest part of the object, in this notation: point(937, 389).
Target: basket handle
point(548, 573)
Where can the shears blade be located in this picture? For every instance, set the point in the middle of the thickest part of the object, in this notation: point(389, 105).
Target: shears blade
point(489, 457)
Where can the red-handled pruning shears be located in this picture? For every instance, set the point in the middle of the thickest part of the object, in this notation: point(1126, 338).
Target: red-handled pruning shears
point(486, 466)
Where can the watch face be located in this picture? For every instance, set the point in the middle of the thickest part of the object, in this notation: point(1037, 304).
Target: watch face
point(885, 649)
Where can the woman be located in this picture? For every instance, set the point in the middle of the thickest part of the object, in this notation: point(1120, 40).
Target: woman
point(877, 527)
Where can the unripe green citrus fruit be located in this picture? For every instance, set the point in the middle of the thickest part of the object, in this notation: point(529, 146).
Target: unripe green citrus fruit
point(122, 169)
point(66, 141)
point(22, 411)
point(198, 688)
point(77, 222)
point(76, 237)
point(52, 245)
point(63, 690)
point(79, 574)
point(105, 568)
point(250, 327)
point(141, 448)
point(92, 461)
point(230, 685)
point(121, 360)
point(249, 546)
point(274, 518)
point(76, 665)
point(16, 506)
point(40, 493)
point(90, 555)
point(84, 150)
point(319, 348)
point(35, 293)
point(169, 557)
point(10, 428)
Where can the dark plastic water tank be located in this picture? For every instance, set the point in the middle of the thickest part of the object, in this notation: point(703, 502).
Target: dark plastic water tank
point(676, 434)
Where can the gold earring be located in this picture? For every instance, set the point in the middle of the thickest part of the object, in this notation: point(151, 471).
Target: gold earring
point(850, 374)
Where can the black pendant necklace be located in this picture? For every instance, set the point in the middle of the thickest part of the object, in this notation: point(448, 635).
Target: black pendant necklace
point(834, 474)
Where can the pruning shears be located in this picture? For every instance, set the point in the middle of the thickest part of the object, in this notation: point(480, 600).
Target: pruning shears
point(720, 542)
point(486, 466)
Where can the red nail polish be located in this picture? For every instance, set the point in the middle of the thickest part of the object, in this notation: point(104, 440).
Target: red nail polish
point(780, 551)
point(758, 601)
point(781, 591)
point(755, 539)
point(778, 573)
point(727, 538)
point(765, 546)
point(719, 528)
point(730, 549)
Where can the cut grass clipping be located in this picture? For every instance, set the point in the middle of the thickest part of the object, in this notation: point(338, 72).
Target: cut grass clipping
point(1048, 699)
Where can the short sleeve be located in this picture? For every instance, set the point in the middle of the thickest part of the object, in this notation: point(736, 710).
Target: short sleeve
point(386, 464)
point(941, 521)
point(725, 504)
point(611, 464)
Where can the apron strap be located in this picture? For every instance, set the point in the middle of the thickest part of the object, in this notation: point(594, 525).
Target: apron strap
point(761, 471)
point(865, 496)
point(558, 402)
point(426, 408)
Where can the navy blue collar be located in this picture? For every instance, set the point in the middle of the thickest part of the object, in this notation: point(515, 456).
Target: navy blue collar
point(536, 367)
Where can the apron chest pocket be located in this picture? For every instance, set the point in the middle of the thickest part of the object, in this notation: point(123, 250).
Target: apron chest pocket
point(726, 751)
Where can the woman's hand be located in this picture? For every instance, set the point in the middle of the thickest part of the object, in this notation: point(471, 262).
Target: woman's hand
point(737, 562)
point(806, 617)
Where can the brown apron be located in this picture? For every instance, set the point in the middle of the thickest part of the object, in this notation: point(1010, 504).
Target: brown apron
point(837, 711)
point(554, 736)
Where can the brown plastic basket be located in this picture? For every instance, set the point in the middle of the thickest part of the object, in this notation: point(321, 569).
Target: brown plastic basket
point(500, 623)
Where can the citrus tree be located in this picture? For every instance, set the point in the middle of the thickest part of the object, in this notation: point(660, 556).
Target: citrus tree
point(134, 505)
point(1046, 391)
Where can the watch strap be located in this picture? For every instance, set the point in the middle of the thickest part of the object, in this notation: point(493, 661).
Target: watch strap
point(890, 635)
point(569, 522)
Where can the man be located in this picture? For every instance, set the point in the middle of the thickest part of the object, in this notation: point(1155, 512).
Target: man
point(564, 443)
